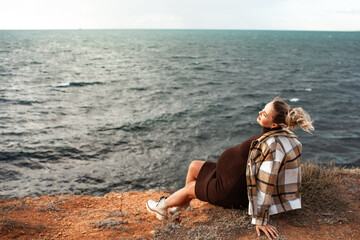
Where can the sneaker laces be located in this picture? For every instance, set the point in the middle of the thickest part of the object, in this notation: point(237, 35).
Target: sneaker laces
point(161, 199)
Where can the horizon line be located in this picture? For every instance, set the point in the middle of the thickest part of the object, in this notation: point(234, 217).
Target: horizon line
point(196, 29)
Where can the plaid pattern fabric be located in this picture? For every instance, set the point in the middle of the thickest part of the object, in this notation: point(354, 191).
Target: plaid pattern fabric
point(273, 175)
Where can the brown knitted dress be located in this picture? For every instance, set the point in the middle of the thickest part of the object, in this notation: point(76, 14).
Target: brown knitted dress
point(224, 183)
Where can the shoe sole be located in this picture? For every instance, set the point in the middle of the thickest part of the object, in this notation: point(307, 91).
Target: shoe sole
point(158, 215)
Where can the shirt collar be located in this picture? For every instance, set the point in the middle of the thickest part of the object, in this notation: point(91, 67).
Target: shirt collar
point(277, 132)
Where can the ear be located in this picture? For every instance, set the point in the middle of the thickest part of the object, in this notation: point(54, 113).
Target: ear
point(274, 125)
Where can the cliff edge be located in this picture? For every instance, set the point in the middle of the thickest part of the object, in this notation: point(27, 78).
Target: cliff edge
point(331, 210)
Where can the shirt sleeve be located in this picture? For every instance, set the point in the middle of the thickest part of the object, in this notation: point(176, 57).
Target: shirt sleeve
point(266, 176)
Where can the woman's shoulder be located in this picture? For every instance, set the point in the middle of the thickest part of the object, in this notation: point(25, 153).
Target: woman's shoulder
point(271, 135)
point(282, 143)
point(283, 140)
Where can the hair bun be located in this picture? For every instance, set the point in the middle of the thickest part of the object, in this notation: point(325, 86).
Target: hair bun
point(290, 118)
point(297, 116)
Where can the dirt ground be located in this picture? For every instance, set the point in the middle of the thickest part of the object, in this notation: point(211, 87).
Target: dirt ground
point(124, 216)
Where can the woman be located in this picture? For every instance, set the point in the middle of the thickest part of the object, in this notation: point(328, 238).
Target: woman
point(262, 173)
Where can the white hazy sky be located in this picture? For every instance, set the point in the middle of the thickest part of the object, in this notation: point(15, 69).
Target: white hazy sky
point(338, 15)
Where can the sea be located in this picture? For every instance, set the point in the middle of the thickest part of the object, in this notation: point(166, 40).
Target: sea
point(98, 111)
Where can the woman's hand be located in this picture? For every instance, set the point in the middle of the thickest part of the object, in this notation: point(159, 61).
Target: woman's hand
point(270, 231)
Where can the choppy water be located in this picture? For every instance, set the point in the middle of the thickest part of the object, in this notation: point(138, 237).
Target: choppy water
point(95, 111)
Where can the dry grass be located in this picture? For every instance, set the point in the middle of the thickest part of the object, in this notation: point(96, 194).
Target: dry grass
point(112, 224)
point(11, 225)
point(49, 207)
point(115, 214)
point(322, 202)
point(221, 224)
point(21, 205)
point(323, 199)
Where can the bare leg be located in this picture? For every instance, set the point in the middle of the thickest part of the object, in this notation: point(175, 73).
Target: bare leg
point(182, 196)
point(193, 171)
point(185, 194)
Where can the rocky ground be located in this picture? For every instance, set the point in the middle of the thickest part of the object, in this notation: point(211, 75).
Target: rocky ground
point(124, 216)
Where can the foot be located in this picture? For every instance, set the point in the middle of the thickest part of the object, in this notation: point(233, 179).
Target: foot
point(159, 208)
point(176, 209)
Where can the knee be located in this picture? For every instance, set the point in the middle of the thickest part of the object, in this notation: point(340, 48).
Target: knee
point(195, 165)
point(192, 165)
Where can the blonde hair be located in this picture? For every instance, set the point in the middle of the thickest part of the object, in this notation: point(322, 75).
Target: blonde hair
point(290, 118)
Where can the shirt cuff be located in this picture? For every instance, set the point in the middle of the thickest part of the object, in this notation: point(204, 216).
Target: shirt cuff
point(259, 221)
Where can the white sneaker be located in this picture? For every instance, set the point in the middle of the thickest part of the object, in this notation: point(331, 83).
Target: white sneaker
point(176, 209)
point(159, 208)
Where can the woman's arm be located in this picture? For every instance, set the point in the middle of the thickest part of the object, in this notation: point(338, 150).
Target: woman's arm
point(264, 175)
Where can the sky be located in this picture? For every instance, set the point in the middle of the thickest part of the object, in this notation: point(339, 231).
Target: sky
point(323, 15)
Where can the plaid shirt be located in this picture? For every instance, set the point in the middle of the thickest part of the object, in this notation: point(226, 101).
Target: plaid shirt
point(273, 175)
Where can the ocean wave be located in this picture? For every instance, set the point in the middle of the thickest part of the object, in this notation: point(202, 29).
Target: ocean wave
point(296, 90)
point(139, 88)
point(186, 57)
point(76, 84)
point(209, 84)
point(9, 175)
point(129, 127)
point(97, 58)
point(48, 154)
point(12, 133)
point(19, 102)
point(5, 74)
point(146, 124)
point(199, 68)
point(87, 179)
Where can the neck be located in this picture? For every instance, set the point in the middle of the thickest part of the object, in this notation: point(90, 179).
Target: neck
point(265, 129)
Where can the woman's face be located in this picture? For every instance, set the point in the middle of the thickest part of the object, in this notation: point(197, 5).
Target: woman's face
point(266, 116)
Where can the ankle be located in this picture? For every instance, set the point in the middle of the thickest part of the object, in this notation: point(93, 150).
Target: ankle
point(166, 204)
